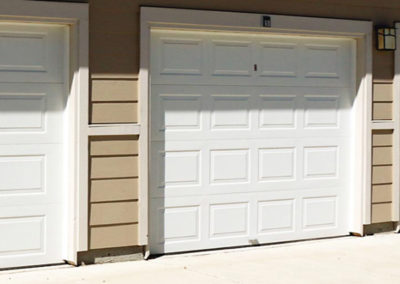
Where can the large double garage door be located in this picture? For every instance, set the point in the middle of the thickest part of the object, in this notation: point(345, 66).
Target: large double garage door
point(251, 138)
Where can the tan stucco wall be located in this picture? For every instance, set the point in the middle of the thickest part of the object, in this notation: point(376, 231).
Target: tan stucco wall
point(114, 66)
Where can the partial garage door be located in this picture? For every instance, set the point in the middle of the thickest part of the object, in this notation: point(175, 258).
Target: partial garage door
point(250, 139)
point(32, 62)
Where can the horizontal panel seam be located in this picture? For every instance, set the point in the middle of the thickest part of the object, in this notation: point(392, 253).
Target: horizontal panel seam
point(114, 224)
point(382, 202)
point(118, 178)
point(114, 101)
point(110, 178)
point(383, 183)
point(113, 155)
point(116, 201)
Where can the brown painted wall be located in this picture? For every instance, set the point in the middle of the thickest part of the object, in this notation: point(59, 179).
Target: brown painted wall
point(114, 66)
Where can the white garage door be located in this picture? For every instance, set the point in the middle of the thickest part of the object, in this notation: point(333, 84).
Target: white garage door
point(32, 62)
point(250, 139)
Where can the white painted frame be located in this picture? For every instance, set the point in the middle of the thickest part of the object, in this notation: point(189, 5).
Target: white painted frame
point(152, 17)
point(76, 17)
point(396, 131)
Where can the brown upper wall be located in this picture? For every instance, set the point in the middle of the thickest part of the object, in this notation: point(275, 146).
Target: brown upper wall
point(114, 26)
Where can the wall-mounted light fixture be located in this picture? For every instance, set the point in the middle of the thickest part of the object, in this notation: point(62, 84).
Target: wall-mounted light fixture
point(385, 38)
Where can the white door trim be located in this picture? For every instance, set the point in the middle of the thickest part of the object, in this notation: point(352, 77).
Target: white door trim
point(396, 131)
point(76, 16)
point(152, 17)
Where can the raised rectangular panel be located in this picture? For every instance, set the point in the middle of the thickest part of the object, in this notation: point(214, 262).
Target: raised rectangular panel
point(180, 223)
point(181, 56)
point(321, 162)
point(113, 213)
point(276, 164)
point(23, 51)
point(22, 235)
point(278, 111)
point(229, 220)
point(114, 167)
point(22, 174)
point(114, 90)
point(22, 112)
point(382, 111)
point(181, 112)
point(230, 112)
point(276, 216)
point(321, 111)
point(382, 138)
point(319, 212)
point(119, 145)
point(381, 212)
point(113, 236)
point(382, 174)
point(382, 156)
point(182, 168)
point(104, 190)
point(231, 58)
point(278, 59)
point(382, 193)
point(229, 166)
point(383, 92)
point(321, 61)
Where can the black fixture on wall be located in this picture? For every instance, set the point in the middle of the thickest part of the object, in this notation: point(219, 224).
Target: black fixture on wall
point(385, 38)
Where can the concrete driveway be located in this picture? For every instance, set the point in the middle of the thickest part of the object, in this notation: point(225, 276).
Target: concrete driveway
point(373, 259)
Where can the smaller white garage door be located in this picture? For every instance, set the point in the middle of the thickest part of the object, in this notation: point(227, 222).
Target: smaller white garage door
point(32, 102)
point(250, 139)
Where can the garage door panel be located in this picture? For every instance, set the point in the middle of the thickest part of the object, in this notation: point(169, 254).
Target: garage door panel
point(225, 166)
point(22, 174)
point(276, 216)
point(240, 219)
point(233, 59)
point(29, 174)
point(277, 111)
point(213, 112)
point(320, 212)
point(19, 112)
point(321, 111)
point(182, 168)
point(31, 53)
point(229, 112)
point(279, 59)
point(30, 113)
point(180, 223)
point(277, 164)
point(229, 220)
point(30, 241)
point(181, 56)
point(254, 148)
point(178, 110)
point(222, 53)
point(28, 235)
point(229, 166)
point(177, 170)
point(177, 222)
